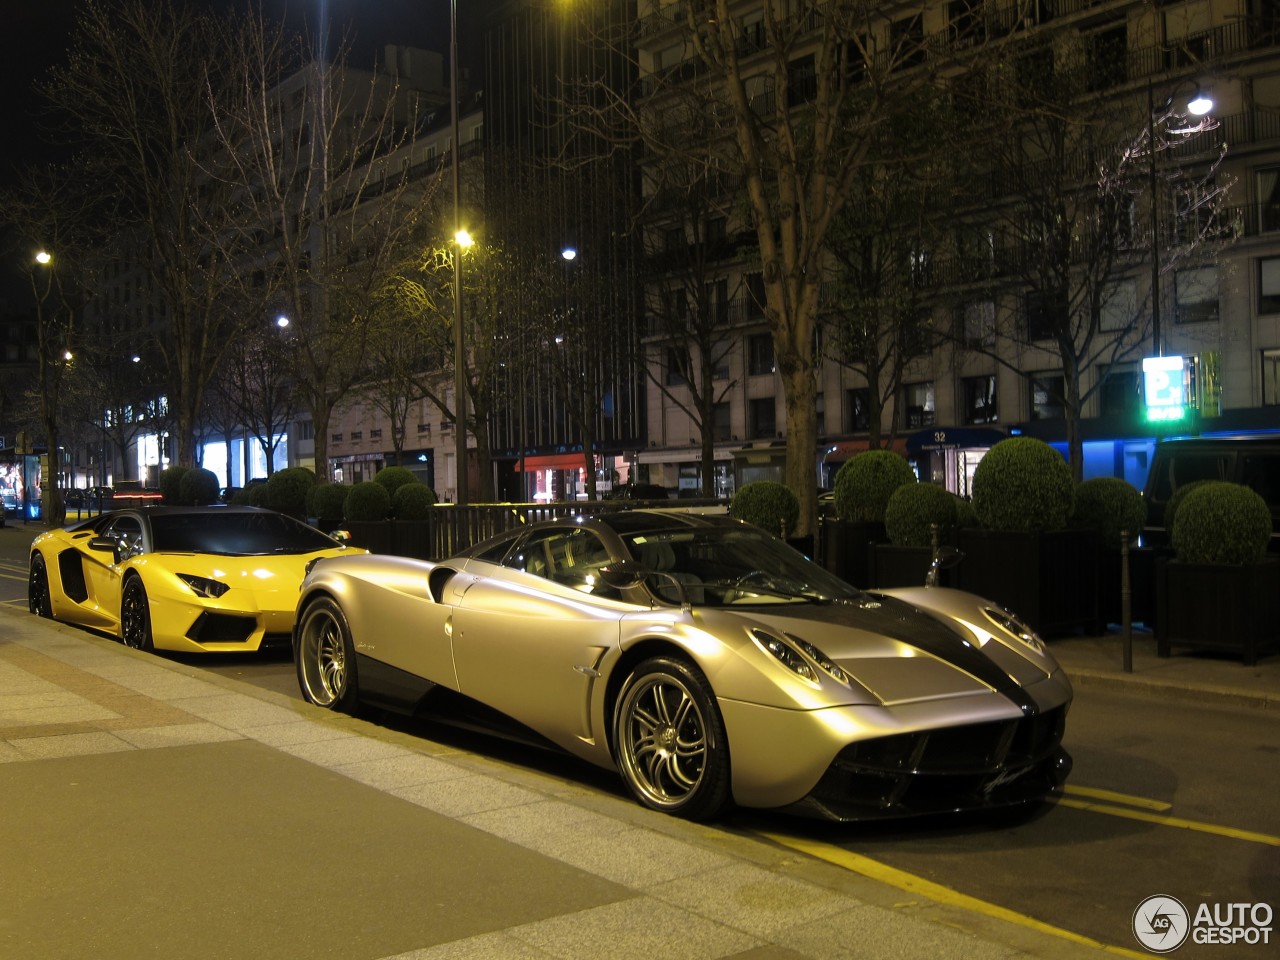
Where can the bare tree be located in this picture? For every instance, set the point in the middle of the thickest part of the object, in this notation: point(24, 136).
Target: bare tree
point(321, 156)
point(1091, 203)
point(134, 99)
point(796, 91)
point(254, 383)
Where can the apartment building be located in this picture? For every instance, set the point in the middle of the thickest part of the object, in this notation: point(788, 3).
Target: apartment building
point(1195, 273)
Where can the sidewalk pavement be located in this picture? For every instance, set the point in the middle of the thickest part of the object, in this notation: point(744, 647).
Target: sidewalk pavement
point(153, 809)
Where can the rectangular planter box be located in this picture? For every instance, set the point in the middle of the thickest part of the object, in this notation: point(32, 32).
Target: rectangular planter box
point(1218, 607)
point(1142, 586)
point(891, 566)
point(1049, 578)
point(846, 551)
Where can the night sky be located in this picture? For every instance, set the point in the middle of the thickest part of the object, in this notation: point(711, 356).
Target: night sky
point(35, 35)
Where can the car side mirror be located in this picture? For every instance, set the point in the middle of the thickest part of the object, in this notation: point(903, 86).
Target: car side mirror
point(623, 574)
point(102, 543)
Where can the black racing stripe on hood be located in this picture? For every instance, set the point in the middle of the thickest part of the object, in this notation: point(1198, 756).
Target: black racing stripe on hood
point(901, 621)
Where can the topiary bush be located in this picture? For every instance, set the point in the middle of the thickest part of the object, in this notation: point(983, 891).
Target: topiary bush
point(767, 504)
point(367, 500)
point(1110, 505)
point(866, 481)
point(254, 495)
point(1220, 522)
point(1023, 484)
point(393, 478)
point(171, 484)
point(1175, 501)
point(966, 516)
point(413, 501)
point(200, 487)
point(287, 490)
point(325, 500)
point(911, 511)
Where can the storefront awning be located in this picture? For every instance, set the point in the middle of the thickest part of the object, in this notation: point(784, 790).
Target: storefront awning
point(952, 438)
point(839, 451)
point(551, 461)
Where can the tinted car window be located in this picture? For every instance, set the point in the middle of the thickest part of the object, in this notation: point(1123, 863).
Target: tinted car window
point(235, 534)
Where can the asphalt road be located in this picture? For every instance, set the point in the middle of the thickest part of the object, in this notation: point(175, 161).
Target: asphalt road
point(1166, 797)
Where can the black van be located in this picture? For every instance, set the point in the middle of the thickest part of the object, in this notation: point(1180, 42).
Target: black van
point(1252, 461)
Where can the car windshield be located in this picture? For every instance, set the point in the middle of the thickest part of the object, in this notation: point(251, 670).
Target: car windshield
point(732, 566)
point(233, 533)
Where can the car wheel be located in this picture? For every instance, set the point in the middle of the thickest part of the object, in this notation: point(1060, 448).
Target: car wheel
point(38, 601)
point(670, 741)
point(135, 616)
point(325, 657)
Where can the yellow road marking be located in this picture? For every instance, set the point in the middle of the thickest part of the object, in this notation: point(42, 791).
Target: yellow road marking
point(1114, 797)
point(913, 884)
point(1177, 822)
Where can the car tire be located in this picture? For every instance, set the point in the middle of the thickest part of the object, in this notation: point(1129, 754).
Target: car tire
point(135, 616)
point(325, 657)
point(669, 740)
point(38, 600)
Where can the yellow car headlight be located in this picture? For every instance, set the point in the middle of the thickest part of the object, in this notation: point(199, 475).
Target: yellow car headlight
point(203, 586)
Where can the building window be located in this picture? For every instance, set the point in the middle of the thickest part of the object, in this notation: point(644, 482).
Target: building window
point(1047, 390)
point(1268, 185)
point(802, 81)
point(375, 434)
point(979, 321)
point(857, 402)
point(906, 41)
point(1120, 391)
point(760, 354)
point(1045, 314)
point(677, 364)
point(1269, 285)
point(1197, 294)
point(1271, 377)
point(306, 430)
point(357, 435)
point(1106, 57)
point(755, 295)
point(763, 417)
point(335, 438)
point(721, 423)
point(918, 401)
point(980, 399)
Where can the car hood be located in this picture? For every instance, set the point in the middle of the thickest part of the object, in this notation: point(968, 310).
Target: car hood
point(899, 653)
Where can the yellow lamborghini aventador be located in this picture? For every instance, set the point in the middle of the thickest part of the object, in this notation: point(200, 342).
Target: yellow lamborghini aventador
point(189, 579)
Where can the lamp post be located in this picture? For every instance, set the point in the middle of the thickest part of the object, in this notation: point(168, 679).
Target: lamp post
point(461, 239)
point(1198, 105)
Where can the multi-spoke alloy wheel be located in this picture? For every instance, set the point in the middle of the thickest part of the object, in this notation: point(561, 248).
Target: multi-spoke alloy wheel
point(325, 658)
point(135, 615)
point(38, 601)
point(670, 740)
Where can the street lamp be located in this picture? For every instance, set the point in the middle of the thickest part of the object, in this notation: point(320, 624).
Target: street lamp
point(1199, 105)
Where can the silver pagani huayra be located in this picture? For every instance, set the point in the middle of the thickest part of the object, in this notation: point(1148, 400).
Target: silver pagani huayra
point(705, 660)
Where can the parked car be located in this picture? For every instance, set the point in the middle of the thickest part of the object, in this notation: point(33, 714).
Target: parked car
point(191, 579)
point(1253, 461)
point(705, 660)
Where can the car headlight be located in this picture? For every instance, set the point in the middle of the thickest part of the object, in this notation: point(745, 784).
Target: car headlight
point(203, 586)
point(1010, 623)
point(799, 656)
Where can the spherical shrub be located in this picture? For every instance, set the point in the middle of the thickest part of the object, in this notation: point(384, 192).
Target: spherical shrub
point(865, 482)
point(912, 510)
point(325, 501)
point(171, 484)
point(1110, 505)
point(200, 487)
point(1221, 522)
point(768, 505)
point(393, 478)
point(413, 501)
point(1175, 501)
point(287, 490)
point(966, 516)
point(367, 500)
point(255, 495)
point(1023, 484)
